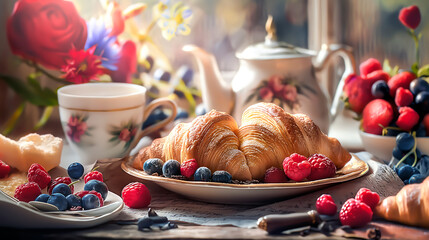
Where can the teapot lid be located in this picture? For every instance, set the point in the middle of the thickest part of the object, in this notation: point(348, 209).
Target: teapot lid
point(271, 48)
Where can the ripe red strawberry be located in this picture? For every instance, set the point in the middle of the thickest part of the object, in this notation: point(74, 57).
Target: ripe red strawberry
point(38, 174)
point(367, 196)
point(378, 75)
point(274, 175)
point(93, 175)
point(136, 195)
point(27, 192)
point(410, 16)
point(326, 205)
point(188, 168)
point(4, 169)
point(358, 93)
point(369, 66)
point(377, 112)
point(403, 97)
point(321, 167)
point(59, 180)
point(402, 79)
point(84, 192)
point(296, 167)
point(407, 119)
point(355, 213)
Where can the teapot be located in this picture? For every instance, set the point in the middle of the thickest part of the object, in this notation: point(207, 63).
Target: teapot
point(277, 72)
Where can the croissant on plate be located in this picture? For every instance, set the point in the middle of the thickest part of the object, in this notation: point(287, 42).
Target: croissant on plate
point(265, 138)
point(410, 205)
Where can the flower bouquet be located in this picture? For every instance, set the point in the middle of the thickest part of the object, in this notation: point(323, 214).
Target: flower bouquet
point(57, 43)
point(393, 102)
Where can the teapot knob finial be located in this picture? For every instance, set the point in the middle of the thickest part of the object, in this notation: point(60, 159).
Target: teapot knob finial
point(271, 29)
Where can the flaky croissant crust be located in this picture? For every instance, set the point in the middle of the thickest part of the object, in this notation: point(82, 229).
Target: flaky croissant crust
point(267, 135)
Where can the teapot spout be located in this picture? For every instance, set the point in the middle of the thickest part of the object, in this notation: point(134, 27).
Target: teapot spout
point(216, 92)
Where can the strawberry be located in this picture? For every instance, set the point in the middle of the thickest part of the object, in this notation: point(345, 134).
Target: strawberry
point(402, 79)
point(296, 167)
point(378, 75)
point(403, 97)
point(377, 112)
point(325, 205)
point(407, 119)
point(321, 167)
point(367, 196)
point(369, 66)
point(410, 16)
point(136, 195)
point(274, 175)
point(358, 93)
point(355, 213)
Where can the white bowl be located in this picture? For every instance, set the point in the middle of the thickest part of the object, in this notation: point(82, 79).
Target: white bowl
point(382, 146)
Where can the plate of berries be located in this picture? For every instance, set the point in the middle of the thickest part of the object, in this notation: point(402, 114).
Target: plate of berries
point(218, 187)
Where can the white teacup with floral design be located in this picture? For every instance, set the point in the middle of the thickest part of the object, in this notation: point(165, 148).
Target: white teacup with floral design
point(104, 120)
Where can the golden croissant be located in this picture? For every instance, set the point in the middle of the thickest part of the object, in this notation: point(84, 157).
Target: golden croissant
point(409, 206)
point(265, 138)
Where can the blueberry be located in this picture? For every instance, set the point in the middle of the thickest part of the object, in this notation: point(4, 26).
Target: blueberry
point(397, 153)
point(58, 200)
point(421, 130)
point(156, 116)
point(153, 165)
point(406, 182)
point(221, 176)
point(393, 130)
point(42, 197)
point(62, 188)
point(405, 172)
point(422, 102)
point(417, 178)
point(419, 85)
point(200, 110)
point(171, 167)
point(97, 186)
point(181, 114)
point(73, 201)
point(380, 89)
point(162, 75)
point(186, 74)
point(405, 141)
point(90, 201)
point(202, 174)
point(75, 170)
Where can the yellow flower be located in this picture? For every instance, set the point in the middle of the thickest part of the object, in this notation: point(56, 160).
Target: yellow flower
point(175, 21)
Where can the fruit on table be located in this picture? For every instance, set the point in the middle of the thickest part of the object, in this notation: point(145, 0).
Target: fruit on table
point(90, 201)
point(27, 192)
point(153, 165)
point(59, 200)
point(93, 175)
point(202, 174)
point(377, 112)
point(368, 197)
point(296, 167)
point(75, 170)
point(38, 174)
point(408, 118)
point(419, 85)
point(275, 175)
point(355, 213)
point(402, 79)
point(97, 186)
point(221, 176)
point(325, 205)
point(136, 195)
point(171, 167)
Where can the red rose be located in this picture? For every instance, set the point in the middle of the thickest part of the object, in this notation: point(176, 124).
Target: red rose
point(45, 31)
point(410, 16)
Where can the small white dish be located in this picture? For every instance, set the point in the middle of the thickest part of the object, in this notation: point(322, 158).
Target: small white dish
point(382, 146)
point(250, 194)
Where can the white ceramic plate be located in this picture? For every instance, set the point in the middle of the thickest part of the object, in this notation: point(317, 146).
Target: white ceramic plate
point(17, 216)
point(248, 193)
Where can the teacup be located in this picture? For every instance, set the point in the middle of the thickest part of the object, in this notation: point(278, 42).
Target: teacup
point(104, 120)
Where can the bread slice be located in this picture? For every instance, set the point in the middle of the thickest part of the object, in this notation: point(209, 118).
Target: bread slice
point(32, 148)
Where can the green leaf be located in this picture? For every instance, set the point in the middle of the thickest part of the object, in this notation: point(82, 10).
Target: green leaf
point(415, 67)
point(423, 71)
point(45, 117)
point(11, 122)
point(387, 68)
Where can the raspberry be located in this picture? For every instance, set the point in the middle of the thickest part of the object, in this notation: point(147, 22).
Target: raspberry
point(403, 97)
point(377, 112)
point(188, 168)
point(402, 79)
point(326, 205)
point(136, 195)
point(27, 192)
point(407, 119)
point(367, 196)
point(93, 175)
point(59, 180)
point(369, 66)
point(84, 192)
point(4, 169)
point(296, 167)
point(321, 167)
point(355, 213)
point(38, 174)
point(410, 16)
point(274, 175)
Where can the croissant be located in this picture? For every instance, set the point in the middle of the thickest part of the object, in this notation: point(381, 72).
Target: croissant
point(266, 137)
point(410, 205)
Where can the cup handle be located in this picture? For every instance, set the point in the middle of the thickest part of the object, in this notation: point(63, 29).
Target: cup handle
point(149, 108)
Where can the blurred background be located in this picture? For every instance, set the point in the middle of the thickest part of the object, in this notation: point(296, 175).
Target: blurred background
point(223, 27)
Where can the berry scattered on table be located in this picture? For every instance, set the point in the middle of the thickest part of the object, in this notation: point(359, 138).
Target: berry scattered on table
point(325, 205)
point(367, 196)
point(188, 168)
point(222, 177)
point(355, 213)
point(59, 200)
point(4, 169)
point(275, 175)
point(59, 180)
point(171, 167)
point(75, 170)
point(296, 167)
point(203, 174)
point(97, 186)
point(153, 165)
point(27, 192)
point(73, 201)
point(38, 174)
point(90, 201)
point(93, 175)
point(62, 188)
point(42, 197)
point(136, 195)
point(321, 167)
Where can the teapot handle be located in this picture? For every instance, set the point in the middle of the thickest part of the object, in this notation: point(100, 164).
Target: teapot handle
point(325, 54)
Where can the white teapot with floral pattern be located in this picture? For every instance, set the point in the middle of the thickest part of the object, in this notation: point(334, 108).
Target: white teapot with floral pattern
point(275, 72)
